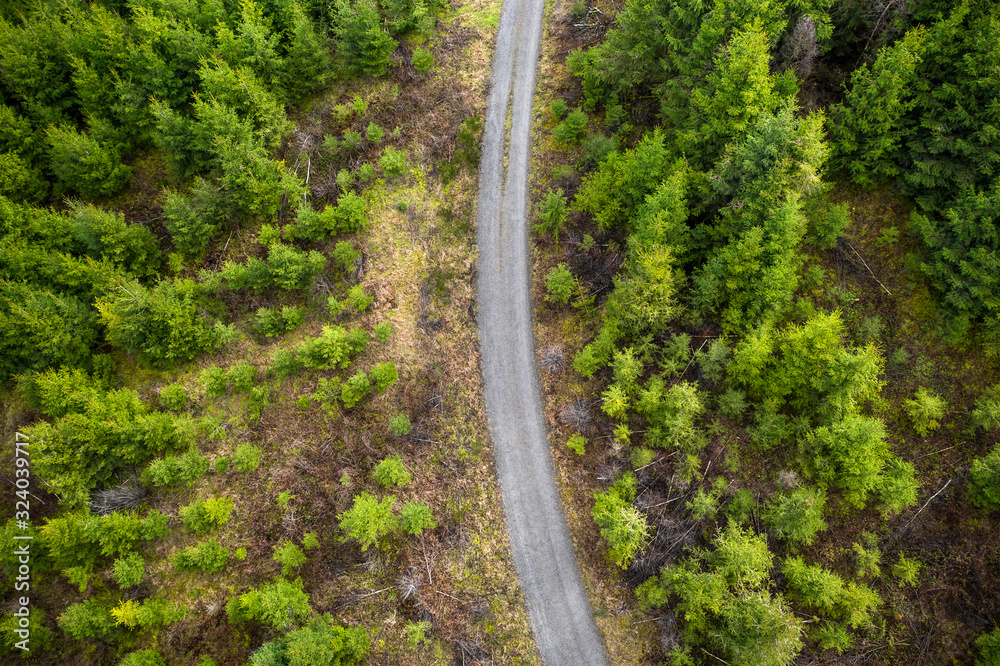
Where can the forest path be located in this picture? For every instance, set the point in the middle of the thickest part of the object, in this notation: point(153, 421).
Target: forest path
point(560, 614)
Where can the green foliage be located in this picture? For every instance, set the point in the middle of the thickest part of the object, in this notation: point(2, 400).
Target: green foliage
point(393, 161)
point(925, 410)
point(216, 380)
point(984, 486)
point(374, 133)
point(206, 515)
point(989, 648)
point(571, 130)
point(306, 65)
point(399, 425)
point(369, 520)
point(423, 59)
point(362, 42)
point(355, 389)
point(553, 214)
point(242, 376)
point(90, 166)
point(358, 299)
point(333, 348)
point(277, 605)
point(319, 643)
point(194, 219)
point(813, 586)
point(832, 636)
point(128, 570)
point(173, 397)
point(986, 415)
point(797, 516)
point(726, 606)
point(867, 559)
point(391, 471)
point(415, 517)
point(271, 323)
point(850, 453)
point(828, 228)
point(12, 630)
point(416, 633)
point(561, 284)
point(206, 556)
point(174, 470)
point(383, 331)
point(143, 658)
point(246, 457)
point(163, 323)
point(383, 376)
point(87, 619)
point(577, 443)
point(641, 457)
point(622, 525)
point(346, 256)
point(671, 414)
point(310, 541)
point(558, 108)
point(742, 506)
point(289, 556)
point(906, 570)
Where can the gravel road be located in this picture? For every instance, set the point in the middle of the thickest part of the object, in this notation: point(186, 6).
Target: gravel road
point(560, 614)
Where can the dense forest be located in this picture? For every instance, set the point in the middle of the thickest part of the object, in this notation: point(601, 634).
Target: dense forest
point(236, 274)
point(792, 401)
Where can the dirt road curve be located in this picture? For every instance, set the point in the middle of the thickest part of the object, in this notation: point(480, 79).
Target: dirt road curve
point(560, 615)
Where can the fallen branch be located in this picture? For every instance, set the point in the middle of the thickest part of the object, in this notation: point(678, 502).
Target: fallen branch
point(869, 268)
point(925, 505)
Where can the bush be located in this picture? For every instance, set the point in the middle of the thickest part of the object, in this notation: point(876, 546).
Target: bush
point(143, 658)
point(423, 60)
point(215, 380)
point(597, 147)
point(985, 482)
point(383, 331)
point(173, 397)
point(271, 323)
point(173, 470)
point(558, 108)
point(374, 133)
point(277, 605)
point(561, 284)
point(289, 556)
point(206, 515)
point(553, 214)
point(577, 443)
point(393, 162)
point(87, 620)
point(319, 643)
point(91, 167)
point(622, 525)
point(391, 471)
point(242, 376)
point(355, 389)
point(925, 410)
point(989, 648)
point(193, 220)
point(128, 570)
point(369, 520)
point(310, 540)
point(415, 517)
point(571, 130)
point(399, 425)
point(830, 227)
point(346, 256)
point(247, 457)
point(383, 375)
point(206, 556)
point(906, 570)
point(358, 299)
point(986, 415)
point(797, 516)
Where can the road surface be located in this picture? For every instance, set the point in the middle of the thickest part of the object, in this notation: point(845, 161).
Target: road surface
point(560, 614)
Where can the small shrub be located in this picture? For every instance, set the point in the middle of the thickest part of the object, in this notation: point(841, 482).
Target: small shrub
point(597, 147)
point(415, 517)
point(560, 285)
point(828, 228)
point(355, 389)
point(989, 648)
point(553, 214)
point(703, 505)
point(206, 515)
point(741, 507)
point(906, 570)
point(571, 130)
point(383, 331)
point(143, 658)
point(173, 470)
point(399, 425)
point(423, 60)
point(346, 256)
point(369, 520)
point(925, 410)
point(285, 363)
point(242, 376)
point(797, 515)
point(833, 636)
point(416, 632)
point(173, 397)
point(866, 560)
point(277, 605)
point(247, 457)
point(87, 620)
point(358, 299)
point(344, 179)
point(558, 107)
point(986, 415)
point(391, 471)
point(206, 556)
point(393, 161)
point(221, 465)
point(374, 133)
point(215, 381)
point(289, 556)
point(350, 141)
point(310, 541)
point(366, 172)
point(383, 376)
point(577, 443)
point(128, 570)
point(641, 457)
